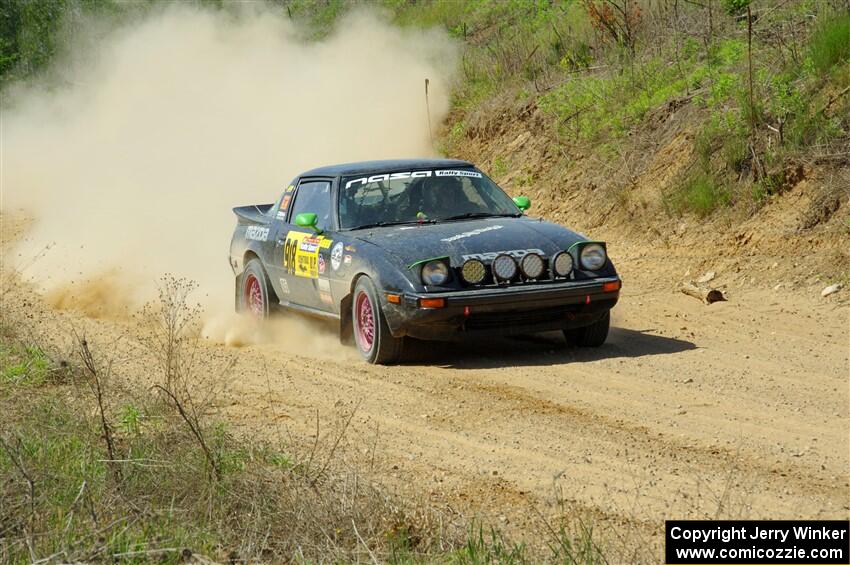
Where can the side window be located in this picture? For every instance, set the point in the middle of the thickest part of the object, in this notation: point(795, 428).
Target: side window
point(313, 197)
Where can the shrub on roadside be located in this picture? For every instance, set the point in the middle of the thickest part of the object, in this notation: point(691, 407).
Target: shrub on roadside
point(699, 194)
point(830, 43)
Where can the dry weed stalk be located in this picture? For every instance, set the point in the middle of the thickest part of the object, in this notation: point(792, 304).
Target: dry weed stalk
point(97, 385)
point(173, 336)
point(172, 324)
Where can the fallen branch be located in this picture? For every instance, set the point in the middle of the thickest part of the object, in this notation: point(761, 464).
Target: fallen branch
point(834, 99)
point(706, 295)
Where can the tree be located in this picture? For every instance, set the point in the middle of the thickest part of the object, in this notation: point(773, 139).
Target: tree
point(616, 19)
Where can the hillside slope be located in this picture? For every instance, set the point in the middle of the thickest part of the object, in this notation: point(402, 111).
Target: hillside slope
point(799, 237)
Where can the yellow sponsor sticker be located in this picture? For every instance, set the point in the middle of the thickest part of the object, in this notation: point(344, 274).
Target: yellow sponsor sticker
point(301, 253)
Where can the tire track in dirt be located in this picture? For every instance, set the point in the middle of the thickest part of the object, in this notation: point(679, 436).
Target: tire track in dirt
point(442, 390)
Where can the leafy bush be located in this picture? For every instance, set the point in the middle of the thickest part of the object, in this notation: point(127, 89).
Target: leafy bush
point(734, 7)
point(699, 194)
point(830, 43)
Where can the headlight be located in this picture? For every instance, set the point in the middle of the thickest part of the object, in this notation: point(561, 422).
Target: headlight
point(532, 265)
point(504, 267)
point(435, 273)
point(593, 256)
point(562, 264)
point(473, 271)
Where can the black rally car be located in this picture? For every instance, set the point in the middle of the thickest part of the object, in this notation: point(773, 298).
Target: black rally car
point(431, 249)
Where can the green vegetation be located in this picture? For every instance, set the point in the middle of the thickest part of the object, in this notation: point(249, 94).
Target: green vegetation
point(24, 365)
point(699, 194)
point(830, 43)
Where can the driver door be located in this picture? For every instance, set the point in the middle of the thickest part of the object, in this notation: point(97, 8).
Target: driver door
point(304, 255)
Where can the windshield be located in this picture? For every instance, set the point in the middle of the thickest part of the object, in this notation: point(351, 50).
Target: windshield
point(420, 196)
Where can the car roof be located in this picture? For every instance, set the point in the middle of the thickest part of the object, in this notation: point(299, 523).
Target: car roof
point(383, 166)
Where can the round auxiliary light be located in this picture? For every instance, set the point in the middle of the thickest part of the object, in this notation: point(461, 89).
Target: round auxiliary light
point(593, 257)
point(562, 263)
point(473, 271)
point(532, 265)
point(504, 267)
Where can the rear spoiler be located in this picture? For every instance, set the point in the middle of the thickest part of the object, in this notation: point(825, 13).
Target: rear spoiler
point(255, 214)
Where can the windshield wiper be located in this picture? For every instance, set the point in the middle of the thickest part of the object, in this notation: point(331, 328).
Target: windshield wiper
point(384, 224)
point(479, 215)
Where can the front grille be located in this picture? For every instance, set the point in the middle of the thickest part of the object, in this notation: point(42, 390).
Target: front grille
point(491, 320)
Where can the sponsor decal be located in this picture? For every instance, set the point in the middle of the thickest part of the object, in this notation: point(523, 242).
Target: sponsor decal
point(388, 176)
point(257, 233)
point(284, 286)
point(284, 206)
point(350, 248)
point(412, 175)
point(310, 244)
point(325, 291)
point(516, 253)
point(321, 264)
point(301, 253)
point(336, 256)
point(471, 233)
point(290, 188)
point(285, 202)
point(473, 174)
point(347, 260)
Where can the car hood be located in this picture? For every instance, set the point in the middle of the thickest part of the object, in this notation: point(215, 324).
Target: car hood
point(459, 240)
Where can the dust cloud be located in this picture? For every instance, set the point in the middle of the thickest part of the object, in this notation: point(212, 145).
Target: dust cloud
point(282, 333)
point(131, 164)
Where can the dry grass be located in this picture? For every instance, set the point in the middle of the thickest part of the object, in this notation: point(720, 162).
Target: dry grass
point(94, 467)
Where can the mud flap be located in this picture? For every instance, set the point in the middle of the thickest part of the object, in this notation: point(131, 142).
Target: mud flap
point(346, 331)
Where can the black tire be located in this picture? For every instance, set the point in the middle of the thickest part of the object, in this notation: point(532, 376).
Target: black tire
point(262, 303)
point(383, 348)
point(593, 335)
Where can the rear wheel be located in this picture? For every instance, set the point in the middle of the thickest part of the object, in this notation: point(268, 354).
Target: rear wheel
point(255, 292)
point(371, 332)
point(593, 335)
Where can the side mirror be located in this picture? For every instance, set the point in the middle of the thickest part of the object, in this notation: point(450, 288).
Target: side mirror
point(307, 220)
point(522, 202)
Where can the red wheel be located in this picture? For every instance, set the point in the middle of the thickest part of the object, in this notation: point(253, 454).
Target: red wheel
point(371, 333)
point(254, 293)
point(364, 322)
point(254, 296)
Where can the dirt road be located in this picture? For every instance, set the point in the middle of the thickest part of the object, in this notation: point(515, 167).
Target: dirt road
point(738, 409)
point(734, 409)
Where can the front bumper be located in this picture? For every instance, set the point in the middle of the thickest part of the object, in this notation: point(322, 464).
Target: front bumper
point(503, 311)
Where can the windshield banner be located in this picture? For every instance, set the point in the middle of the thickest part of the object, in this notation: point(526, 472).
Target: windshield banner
point(412, 175)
